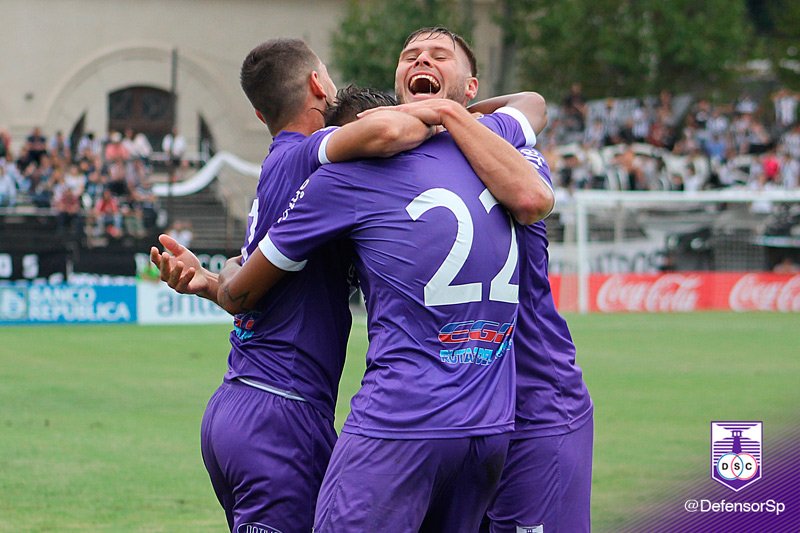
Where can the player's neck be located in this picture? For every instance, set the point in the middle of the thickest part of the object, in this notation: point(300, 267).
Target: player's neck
point(309, 120)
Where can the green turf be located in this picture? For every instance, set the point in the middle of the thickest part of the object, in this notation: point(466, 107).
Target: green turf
point(99, 425)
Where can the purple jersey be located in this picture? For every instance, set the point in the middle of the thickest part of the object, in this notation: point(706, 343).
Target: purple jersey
point(437, 261)
point(295, 340)
point(551, 395)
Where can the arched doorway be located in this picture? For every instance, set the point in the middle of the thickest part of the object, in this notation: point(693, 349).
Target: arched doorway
point(143, 109)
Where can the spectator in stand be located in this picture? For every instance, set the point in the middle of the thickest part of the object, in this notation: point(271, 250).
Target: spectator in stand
point(641, 122)
point(88, 146)
point(689, 141)
point(35, 146)
point(115, 151)
point(676, 182)
point(40, 179)
point(108, 215)
point(718, 123)
point(701, 112)
point(59, 147)
point(69, 214)
point(758, 139)
point(664, 112)
point(785, 103)
point(786, 266)
point(142, 148)
point(75, 180)
point(147, 202)
point(136, 173)
point(791, 141)
point(715, 147)
point(95, 183)
point(181, 231)
point(789, 171)
point(174, 146)
point(611, 123)
point(595, 135)
point(746, 105)
point(574, 109)
point(8, 188)
point(694, 180)
point(770, 166)
point(660, 135)
point(740, 129)
point(5, 144)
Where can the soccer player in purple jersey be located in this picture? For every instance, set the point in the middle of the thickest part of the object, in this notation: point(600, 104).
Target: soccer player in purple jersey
point(267, 432)
point(547, 478)
point(546, 482)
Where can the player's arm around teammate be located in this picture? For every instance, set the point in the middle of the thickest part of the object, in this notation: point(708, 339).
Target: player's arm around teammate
point(508, 176)
point(382, 134)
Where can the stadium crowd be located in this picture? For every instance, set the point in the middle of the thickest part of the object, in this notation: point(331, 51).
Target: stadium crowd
point(673, 142)
point(103, 187)
point(98, 188)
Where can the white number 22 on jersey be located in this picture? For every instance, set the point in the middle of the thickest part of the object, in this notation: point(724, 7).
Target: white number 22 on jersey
point(440, 290)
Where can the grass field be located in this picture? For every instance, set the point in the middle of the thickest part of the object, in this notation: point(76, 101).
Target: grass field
point(99, 425)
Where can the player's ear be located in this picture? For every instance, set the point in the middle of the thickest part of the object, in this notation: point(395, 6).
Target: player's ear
point(260, 116)
point(472, 88)
point(315, 84)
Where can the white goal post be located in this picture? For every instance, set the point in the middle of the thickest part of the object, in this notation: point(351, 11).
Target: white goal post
point(615, 205)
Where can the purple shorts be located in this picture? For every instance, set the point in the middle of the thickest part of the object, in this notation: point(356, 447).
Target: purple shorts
point(409, 485)
point(546, 485)
point(266, 456)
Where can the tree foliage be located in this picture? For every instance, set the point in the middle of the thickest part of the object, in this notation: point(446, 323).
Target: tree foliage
point(628, 47)
point(777, 29)
point(611, 47)
point(367, 44)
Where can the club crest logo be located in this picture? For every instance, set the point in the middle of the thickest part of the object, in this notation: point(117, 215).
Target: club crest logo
point(736, 453)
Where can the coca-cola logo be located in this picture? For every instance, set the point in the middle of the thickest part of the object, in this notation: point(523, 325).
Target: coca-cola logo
point(751, 293)
point(670, 292)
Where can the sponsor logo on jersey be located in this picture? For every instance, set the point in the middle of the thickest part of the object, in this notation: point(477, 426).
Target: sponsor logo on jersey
point(485, 331)
point(244, 324)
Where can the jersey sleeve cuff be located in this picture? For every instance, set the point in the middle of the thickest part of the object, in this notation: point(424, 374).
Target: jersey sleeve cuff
point(277, 258)
point(323, 146)
point(527, 129)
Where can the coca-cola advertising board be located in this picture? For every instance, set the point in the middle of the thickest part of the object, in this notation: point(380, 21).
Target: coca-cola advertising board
point(690, 291)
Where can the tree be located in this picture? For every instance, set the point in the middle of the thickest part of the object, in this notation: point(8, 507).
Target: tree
point(367, 44)
point(625, 47)
point(777, 29)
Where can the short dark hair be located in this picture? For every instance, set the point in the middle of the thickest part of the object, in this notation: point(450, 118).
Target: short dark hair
point(273, 77)
point(353, 100)
point(456, 38)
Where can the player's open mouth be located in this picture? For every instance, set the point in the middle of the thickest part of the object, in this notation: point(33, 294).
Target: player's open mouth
point(423, 84)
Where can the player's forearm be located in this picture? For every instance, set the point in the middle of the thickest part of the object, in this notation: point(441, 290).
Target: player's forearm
point(510, 178)
point(531, 104)
point(382, 134)
point(240, 286)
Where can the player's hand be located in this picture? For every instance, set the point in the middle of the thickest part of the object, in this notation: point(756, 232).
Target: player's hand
point(432, 112)
point(179, 267)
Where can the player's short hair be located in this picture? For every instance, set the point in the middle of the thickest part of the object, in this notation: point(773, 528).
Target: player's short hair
point(352, 100)
point(456, 38)
point(273, 77)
